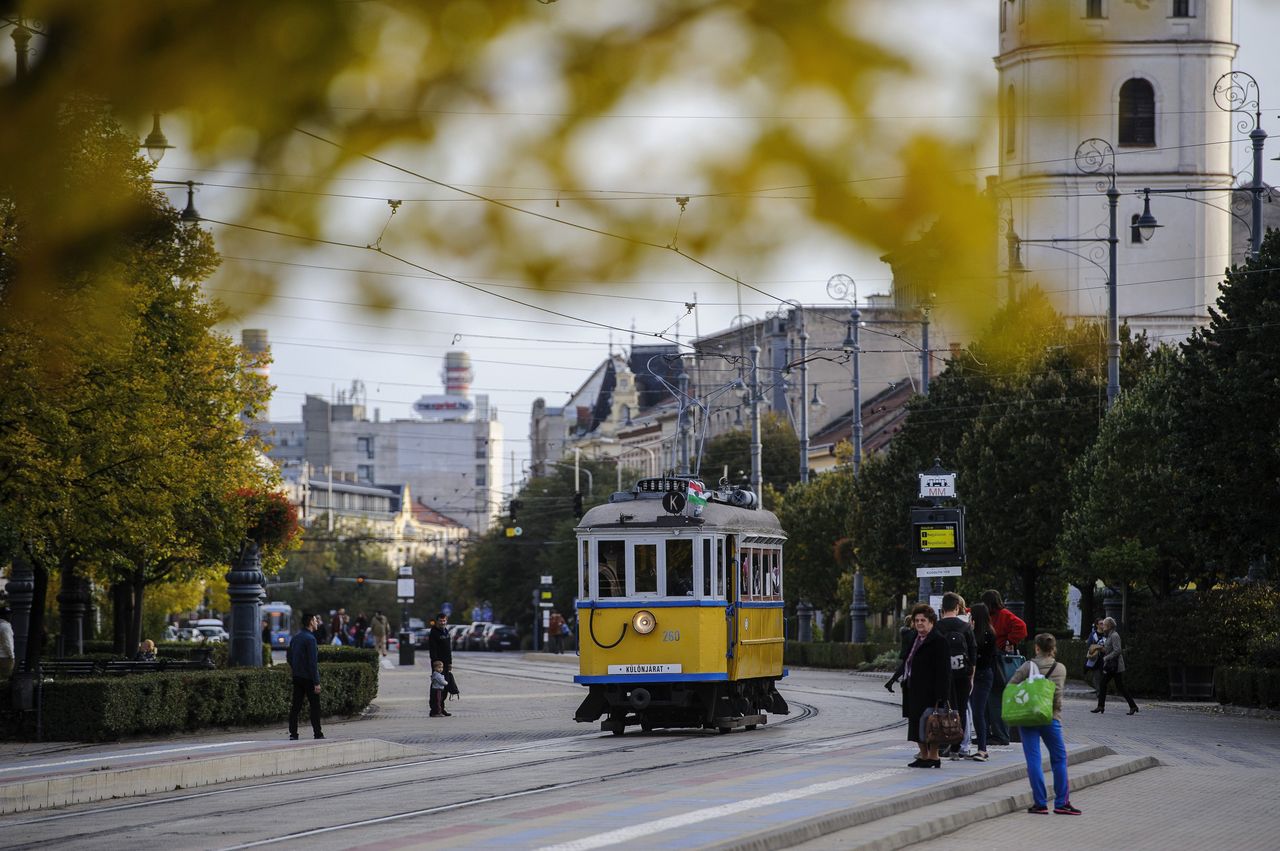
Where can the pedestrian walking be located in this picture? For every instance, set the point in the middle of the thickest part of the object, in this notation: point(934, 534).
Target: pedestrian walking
point(1010, 631)
point(6, 644)
point(1093, 655)
point(304, 662)
point(962, 652)
point(1112, 668)
point(984, 671)
point(926, 682)
point(1047, 664)
point(381, 628)
point(362, 626)
point(439, 685)
point(555, 631)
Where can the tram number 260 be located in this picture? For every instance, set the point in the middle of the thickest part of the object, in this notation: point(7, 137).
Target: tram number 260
point(671, 635)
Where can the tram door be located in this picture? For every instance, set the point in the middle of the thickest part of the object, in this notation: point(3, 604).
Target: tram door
point(733, 595)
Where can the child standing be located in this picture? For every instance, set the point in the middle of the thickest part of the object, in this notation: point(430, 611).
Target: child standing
point(438, 685)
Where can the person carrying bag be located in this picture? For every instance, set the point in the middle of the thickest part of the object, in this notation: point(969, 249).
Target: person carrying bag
point(1033, 701)
point(942, 725)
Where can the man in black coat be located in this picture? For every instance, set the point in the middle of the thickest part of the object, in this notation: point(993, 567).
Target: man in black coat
point(962, 653)
point(438, 642)
point(304, 660)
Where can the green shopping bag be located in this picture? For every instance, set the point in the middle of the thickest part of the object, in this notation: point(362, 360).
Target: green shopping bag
point(1030, 702)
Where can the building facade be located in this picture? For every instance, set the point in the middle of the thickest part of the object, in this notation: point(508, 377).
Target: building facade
point(1141, 76)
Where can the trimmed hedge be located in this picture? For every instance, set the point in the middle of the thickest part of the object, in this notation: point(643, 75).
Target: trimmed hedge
point(109, 708)
point(1247, 686)
point(831, 654)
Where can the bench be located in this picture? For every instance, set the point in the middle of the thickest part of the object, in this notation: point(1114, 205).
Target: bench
point(121, 667)
point(63, 667)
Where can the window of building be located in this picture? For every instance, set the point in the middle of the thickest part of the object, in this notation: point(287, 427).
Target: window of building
point(1182, 9)
point(1137, 113)
point(365, 445)
point(364, 472)
point(1093, 8)
point(482, 476)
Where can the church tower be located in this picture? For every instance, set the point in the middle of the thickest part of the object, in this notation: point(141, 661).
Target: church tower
point(1139, 75)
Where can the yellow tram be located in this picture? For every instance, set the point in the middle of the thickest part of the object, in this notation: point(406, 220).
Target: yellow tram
point(680, 608)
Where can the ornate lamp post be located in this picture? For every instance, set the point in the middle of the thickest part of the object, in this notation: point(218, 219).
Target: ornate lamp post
point(846, 289)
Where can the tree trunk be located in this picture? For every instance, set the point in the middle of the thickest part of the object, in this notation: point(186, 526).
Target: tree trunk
point(1087, 617)
point(121, 616)
point(1029, 596)
point(135, 590)
point(35, 628)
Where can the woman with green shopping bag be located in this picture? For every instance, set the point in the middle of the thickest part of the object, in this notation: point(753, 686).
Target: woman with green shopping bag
point(1033, 701)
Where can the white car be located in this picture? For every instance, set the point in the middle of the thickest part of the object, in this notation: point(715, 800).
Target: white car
point(213, 634)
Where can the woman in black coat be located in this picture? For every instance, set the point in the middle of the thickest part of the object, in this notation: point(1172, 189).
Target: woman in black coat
point(927, 682)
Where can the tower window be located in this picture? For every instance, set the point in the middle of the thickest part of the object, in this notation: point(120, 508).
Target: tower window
point(1093, 8)
point(1137, 113)
point(1182, 9)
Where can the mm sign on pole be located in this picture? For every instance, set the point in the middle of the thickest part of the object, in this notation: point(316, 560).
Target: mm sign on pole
point(937, 485)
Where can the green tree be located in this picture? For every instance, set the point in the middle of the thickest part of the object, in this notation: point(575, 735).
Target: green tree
point(1128, 519)
point(1230, 413)
point(779, 455)
point(120, 454)
point(817, 517)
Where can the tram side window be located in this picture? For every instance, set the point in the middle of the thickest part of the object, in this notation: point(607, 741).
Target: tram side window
point(679, 568)
point(776, 567)
point(612, 560)
point(708, 565)
point(584, 571)
point(646, 569)
point(720, 588)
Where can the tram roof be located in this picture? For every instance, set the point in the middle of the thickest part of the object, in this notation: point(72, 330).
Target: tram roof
point(646, 512)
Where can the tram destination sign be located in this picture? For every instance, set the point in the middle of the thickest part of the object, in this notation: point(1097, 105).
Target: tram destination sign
point(644, 669)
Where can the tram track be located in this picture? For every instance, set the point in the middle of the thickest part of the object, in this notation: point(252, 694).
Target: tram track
point(309, 795)
point(633, 743)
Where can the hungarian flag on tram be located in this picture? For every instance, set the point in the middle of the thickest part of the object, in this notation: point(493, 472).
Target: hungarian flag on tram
point(697, 494)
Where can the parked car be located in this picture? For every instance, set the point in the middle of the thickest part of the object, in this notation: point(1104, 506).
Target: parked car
point(212, 634)
point(501, 637)
point(419, 635)
point(474, 637)
point(457, 634)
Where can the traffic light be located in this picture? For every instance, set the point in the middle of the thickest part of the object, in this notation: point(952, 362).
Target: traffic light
point(577, 505)
point(514, 508)
point(360, 579)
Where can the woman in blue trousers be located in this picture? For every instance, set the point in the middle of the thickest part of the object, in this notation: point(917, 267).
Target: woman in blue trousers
point(1051, 733)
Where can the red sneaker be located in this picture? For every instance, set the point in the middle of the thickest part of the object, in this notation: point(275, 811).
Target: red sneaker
point(1067, 810)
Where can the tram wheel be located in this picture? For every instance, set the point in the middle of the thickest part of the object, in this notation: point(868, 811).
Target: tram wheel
point(723, 730)
point(751, 726)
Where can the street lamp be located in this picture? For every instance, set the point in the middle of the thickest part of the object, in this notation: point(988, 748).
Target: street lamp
point(189, 216)
point(1235, 91)
point(1096, 156)
point(845, 288)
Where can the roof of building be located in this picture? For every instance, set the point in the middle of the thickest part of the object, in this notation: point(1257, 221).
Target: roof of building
point(882, 417)
point(430, 517)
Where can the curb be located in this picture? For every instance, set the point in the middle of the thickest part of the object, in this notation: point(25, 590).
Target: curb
point(106, 783)
point(816, 828)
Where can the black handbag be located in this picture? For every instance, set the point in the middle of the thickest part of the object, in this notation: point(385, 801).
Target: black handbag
point(1111, 666)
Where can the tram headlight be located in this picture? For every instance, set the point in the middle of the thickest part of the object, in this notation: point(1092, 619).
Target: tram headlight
point(643, 622)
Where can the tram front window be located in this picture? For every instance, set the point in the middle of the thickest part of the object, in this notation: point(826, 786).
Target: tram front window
point(612, 564)
point(646, 569)
point(680, 568)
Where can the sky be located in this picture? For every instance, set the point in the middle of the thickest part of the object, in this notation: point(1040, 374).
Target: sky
point(323, 339)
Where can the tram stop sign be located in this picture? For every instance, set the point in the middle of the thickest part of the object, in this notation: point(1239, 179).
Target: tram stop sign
point(937, 536)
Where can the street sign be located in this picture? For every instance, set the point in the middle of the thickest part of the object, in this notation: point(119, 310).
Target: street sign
point(546, 605)
point(546, 580)
point(404, 589)
point(937, 486)
point(922, 572)
point(446, 609)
